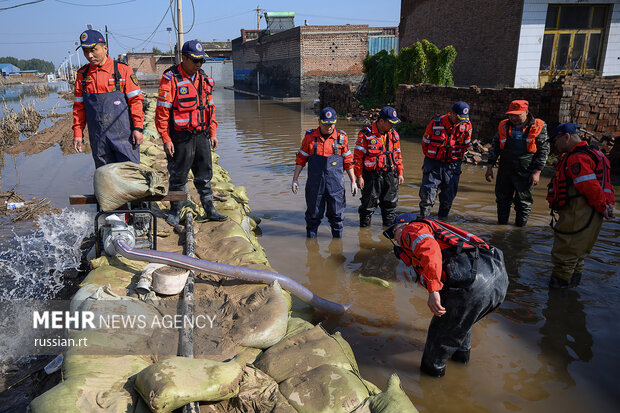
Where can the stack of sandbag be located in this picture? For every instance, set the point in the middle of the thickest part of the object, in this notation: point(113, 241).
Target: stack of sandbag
point(175, 382)
point(316, 371)
point(119, 183)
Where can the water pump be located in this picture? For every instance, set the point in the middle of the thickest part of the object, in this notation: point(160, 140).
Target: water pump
point(116, 228)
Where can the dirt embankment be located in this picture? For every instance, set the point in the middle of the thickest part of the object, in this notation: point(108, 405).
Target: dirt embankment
point(59, 133)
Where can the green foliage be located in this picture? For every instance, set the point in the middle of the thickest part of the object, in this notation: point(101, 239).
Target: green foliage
point(405, 129)
point(424, 62)
point(158, 51)
point(380, 72)
point(31, 64)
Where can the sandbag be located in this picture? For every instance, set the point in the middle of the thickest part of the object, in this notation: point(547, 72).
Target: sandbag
point(296, 326)
point(392, 400)
point(119, 183)
point(304, 352)
point(325, 389)
point(259, 320)
point(170, 384)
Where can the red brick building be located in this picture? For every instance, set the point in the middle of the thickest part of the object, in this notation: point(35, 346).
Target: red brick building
point(518, 43)
point(291, 63)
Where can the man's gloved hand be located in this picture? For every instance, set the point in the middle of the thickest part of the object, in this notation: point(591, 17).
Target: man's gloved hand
point(354, 188)
point(294, 187)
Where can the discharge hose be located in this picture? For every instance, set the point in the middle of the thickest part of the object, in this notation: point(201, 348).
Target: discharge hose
point(226, 270)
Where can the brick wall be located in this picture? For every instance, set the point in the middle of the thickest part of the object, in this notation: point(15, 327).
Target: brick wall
point(485, 34)
point(331, 53)
point(338, 96)
point(275, 57)
point(591, 102)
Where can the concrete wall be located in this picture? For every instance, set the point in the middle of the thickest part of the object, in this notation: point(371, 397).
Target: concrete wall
point(485, 34)
point(533, 30)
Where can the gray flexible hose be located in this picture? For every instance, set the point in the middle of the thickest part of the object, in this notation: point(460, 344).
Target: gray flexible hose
point(226, 270)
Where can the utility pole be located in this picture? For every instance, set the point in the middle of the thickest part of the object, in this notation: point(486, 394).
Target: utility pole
point(180, 28)
point(169, 30)
point(106, 38)
point(258, 17)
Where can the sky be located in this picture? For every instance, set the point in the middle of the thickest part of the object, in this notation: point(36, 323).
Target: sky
point(49, 29)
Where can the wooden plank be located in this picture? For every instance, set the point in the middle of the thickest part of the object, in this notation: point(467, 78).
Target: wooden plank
point(90, 198)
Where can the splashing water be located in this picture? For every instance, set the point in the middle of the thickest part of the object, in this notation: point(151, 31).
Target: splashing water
point(32, 266)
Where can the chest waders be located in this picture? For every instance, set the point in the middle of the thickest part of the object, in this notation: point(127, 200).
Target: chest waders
point(109, 124)
point(325, 188)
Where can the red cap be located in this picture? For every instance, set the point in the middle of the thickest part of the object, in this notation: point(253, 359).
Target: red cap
point(517, 107)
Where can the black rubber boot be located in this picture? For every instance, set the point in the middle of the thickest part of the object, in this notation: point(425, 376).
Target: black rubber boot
point(461, 356)
point(365, 220)
point(520, 221)
point(425, 212)
point(310, 234)
point(557, 283)
point(575, 280)
point(173, 215)
point(211, 214)
point(433, 371)
point(502, 217)
point(336, 233)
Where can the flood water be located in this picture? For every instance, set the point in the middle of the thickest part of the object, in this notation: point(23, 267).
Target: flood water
point(539, 352)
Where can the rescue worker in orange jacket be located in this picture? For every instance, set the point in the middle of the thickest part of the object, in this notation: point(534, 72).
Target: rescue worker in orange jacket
point(326, 151)
point(444, 143)
point(581, 193)
point(185, 120)
point(522, 147)
point(109, 101)
point(465, 277)
point(378, 167)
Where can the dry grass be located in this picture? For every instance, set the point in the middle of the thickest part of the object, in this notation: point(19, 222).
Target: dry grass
point(13, 124)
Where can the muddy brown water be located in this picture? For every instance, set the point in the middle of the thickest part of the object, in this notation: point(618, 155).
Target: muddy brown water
point(539, 352)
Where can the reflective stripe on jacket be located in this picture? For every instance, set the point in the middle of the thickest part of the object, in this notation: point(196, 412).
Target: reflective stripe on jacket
point(589, 170)
point(444, 141)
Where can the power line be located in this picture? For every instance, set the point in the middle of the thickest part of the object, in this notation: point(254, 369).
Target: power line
point(19, 5)
point(95, 5)
point(226, 17)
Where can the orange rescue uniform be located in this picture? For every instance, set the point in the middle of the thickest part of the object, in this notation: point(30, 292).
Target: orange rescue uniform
point(165, 99)
point(101, 80)
point(390, 139)
point(325, 147)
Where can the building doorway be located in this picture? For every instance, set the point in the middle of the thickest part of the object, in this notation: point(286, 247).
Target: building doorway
point(573, 40)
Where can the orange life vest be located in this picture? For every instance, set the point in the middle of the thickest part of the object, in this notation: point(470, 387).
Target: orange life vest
point(447, 146)
point(557, 190)
point(530, 133)
point(379, 157)
point(192, 109)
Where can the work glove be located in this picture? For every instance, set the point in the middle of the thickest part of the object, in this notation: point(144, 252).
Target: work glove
point(294, 187)
point(354, 188)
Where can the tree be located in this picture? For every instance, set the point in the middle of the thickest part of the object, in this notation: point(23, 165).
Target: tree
point(423, 62)
point(31, 64)
point(158, 51)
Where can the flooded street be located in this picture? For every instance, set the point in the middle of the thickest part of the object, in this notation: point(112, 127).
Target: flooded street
point(539, 352)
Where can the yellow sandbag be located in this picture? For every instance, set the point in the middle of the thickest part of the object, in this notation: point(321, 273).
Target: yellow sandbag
point(304, 352)
point(261, 319)
point(392, 400)
point(325, 389)
point(170, 384)
point(119, 183)
point(296, 326)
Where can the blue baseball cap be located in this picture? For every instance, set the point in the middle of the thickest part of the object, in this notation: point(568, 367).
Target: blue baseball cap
point(89, 38)
point(461, 110)
point(404, 218)
point(194, 49)
point(564, 128)
point(328, 115)
point(389, 113)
